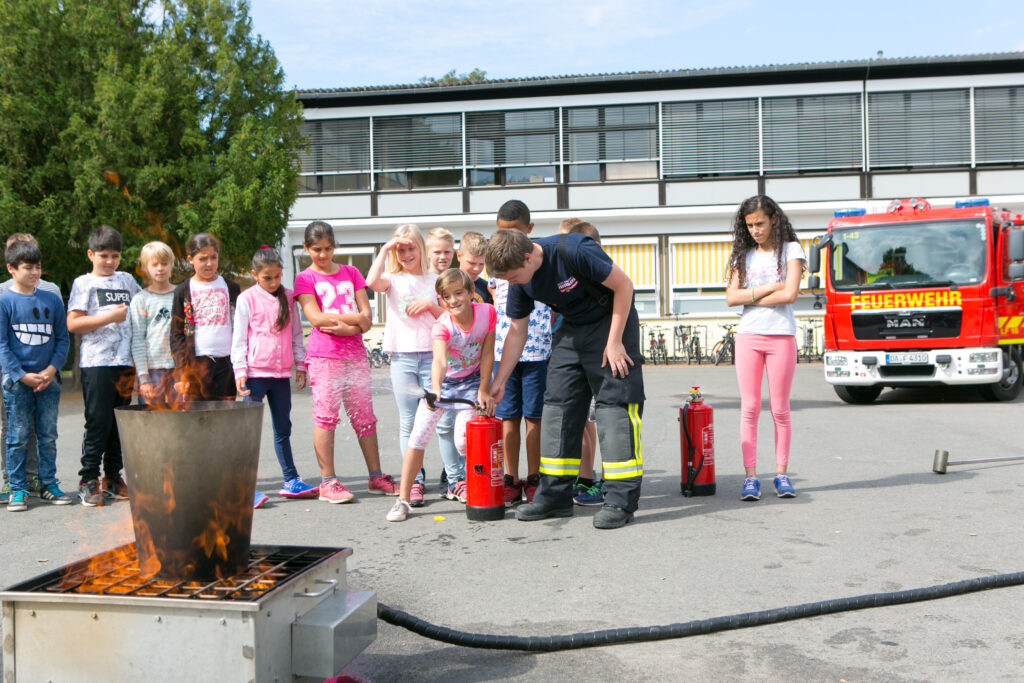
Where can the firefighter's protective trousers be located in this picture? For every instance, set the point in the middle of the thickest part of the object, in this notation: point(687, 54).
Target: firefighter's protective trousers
point(574, 375)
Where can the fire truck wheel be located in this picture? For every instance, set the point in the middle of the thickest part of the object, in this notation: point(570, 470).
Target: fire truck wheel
point(857, 395)
point(1009, 388)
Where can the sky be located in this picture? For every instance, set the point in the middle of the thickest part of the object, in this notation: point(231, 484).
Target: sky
point(325, 44)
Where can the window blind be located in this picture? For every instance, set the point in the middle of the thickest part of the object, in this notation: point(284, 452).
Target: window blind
point(599, 134)
point(638, 261)
point(812, 133)
point(999, 125)
point(512, 138)
point(405, 143)
point(336, 146)
point(921, 128)
point(713, 137)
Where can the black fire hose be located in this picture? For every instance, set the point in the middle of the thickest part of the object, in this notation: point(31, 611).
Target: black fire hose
point(644, 634)
point(691, 472)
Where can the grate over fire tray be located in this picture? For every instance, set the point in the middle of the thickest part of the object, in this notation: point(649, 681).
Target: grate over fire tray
point(116, 572)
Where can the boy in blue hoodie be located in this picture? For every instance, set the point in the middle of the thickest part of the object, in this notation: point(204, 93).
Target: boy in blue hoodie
point(34, 343)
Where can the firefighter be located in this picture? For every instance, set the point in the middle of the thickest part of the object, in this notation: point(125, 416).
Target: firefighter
point(596, 351)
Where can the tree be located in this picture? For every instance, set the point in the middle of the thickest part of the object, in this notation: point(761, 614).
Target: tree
point(451, 78)
point(162, 126)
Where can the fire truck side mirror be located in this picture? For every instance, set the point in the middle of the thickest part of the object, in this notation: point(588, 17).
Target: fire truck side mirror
point(1016, 271)
point(813, 282)
point(1015, 247)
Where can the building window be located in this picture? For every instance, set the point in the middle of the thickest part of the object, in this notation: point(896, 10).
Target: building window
point(412, 152)
point(611, 143)
point(921, 128)
point(638, 259)
point(337, 156)
point(710, 138)
point(812, 133)
point(512, 147)
point(999, 125)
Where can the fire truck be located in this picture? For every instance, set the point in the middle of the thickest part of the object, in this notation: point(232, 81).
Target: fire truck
point(918, 296)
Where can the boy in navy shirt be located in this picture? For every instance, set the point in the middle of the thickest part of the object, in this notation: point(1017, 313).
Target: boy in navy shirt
point(33, 346)
point(596, 351)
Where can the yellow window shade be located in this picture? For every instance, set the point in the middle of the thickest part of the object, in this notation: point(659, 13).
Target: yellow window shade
point(638, 261)
point(700, 264)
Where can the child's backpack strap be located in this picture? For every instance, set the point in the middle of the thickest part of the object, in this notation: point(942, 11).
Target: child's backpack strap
point(601, 294)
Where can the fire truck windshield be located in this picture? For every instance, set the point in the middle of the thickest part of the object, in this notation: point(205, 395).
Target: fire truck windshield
point(908, 255)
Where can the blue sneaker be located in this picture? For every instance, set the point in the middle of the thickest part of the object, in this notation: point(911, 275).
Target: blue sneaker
point(19, 501)
point(296, 488)
point(259, 499)
point(588, 495)
point(783, 489)
point(751, 489)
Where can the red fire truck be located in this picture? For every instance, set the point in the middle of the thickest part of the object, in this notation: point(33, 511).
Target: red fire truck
point(919, 296)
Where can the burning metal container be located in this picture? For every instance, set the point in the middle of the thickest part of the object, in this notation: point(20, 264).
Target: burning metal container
point(191, 476)
point(286, 616)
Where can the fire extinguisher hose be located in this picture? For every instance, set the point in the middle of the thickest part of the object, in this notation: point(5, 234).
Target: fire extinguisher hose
point(644, 634)
point(691, 472)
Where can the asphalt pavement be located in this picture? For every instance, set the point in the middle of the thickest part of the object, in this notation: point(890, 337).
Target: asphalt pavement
point(869, 517)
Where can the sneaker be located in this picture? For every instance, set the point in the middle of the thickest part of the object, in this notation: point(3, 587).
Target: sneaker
point(400, 510)
point(512, 491)
point(333, 491)
point(783, 489)
point(416, 495)
point(114, 489)
point(611, 517)
point(52, 494)
point(19, 501)
point(531, 512)
point(751, 489)
point(89, 492)
point(588, 495)
point(259, 499)
point(530, 487)
point(296, 488)
point(383, 484)
point(5, 494)
point(456, 491)
point(34, 485)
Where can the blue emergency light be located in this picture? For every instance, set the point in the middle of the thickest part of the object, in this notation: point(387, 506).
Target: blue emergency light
point(970, 203)
point(849, 213)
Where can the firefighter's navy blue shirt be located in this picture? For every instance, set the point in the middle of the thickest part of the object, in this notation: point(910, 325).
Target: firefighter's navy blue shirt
point(553, 285)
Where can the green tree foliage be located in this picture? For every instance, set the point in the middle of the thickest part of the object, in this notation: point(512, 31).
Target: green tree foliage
point(451, 78)
point(161, 120)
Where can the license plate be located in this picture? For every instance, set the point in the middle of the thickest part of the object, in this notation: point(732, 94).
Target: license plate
point(905, 358)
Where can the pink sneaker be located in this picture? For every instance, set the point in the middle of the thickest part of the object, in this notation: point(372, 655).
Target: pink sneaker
point(456, 491)
point(416, 495)
point(383, 483)
point(333, 492)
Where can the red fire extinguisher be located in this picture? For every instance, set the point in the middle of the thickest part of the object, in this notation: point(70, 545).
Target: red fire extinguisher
point(697, 433)
point(485, 469)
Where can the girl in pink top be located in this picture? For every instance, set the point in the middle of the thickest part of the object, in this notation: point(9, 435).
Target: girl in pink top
point(265, 345)
point(463, 361)
point(333, 297)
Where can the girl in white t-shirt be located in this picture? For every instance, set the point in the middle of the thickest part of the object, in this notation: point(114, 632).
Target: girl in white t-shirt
point(765, 267)
point(400, 271)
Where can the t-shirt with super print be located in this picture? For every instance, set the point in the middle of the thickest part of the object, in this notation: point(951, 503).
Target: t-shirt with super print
point(111, 344)
point(335, 293)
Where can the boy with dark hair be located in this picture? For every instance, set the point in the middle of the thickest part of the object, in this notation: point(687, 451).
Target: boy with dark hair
point(595, 351)
point(33, 346)
point(31, 467)
point(98, 310)
point(524, 395)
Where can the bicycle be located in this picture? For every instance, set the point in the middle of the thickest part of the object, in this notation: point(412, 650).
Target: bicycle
point(809, 348)
point(377, 356)
point(660, 347)
point(652, 347)
point(693, 349)
point(726, 347)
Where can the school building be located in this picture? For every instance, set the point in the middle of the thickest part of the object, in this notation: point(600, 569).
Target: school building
point(659, 161)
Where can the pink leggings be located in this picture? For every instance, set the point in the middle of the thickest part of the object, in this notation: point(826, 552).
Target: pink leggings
point(754, 353)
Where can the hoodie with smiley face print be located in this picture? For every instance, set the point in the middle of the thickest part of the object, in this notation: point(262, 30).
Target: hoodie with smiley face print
point(33, 332)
